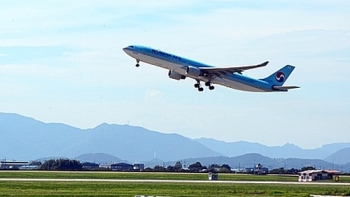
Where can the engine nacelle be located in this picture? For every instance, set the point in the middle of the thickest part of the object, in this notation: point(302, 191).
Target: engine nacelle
point(193, 71)
point(174, 75)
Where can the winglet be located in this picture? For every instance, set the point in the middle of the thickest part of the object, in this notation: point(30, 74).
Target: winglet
point(265, 63)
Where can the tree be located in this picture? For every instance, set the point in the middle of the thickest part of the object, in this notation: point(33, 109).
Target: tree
point(225, 168)
point(158, 168)
point(307, 168)
point(148, 169)
point(195, 167)
point(48, 165)
point(214, 168)
point(292, 171)
point(61, 164)
point(178, 166)
point(170, 168)
point(278, 171)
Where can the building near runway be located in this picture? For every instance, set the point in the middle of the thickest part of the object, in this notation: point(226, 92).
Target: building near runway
point(90, 166)
point(139, 166)
point(121, 166)
point(12, 165)
point(315, 175)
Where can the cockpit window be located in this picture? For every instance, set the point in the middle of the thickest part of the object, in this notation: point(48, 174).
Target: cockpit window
point(131, 46)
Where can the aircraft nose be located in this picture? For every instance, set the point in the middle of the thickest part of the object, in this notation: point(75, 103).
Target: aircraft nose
point(129, 49)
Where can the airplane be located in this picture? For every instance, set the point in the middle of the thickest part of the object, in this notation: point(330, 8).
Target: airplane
point(232, 77)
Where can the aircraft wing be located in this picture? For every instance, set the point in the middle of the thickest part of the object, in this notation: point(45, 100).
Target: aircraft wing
point(230, 70)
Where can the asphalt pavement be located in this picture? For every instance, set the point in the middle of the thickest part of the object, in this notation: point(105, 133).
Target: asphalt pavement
point(173, 181)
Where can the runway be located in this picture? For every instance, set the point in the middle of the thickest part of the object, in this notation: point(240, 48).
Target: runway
point(172, 181)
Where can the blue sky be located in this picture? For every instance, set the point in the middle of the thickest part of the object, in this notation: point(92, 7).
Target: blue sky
point(62, 61)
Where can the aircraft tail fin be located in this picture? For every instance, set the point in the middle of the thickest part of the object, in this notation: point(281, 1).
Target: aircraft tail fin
point(278, 78)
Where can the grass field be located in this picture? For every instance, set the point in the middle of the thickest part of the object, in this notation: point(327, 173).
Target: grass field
point(42, 188)
point(140, 175)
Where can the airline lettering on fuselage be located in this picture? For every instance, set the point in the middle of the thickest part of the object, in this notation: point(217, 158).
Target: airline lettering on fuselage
point(166, 54)
point(180, 68)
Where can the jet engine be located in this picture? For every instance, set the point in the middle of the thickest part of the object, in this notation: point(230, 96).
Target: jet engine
point(174, 75)
point(193, 71)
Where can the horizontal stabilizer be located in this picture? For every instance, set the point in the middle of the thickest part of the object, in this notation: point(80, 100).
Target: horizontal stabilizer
point(284, 88)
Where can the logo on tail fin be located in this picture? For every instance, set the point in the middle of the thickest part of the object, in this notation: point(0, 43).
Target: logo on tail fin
point(280, 77)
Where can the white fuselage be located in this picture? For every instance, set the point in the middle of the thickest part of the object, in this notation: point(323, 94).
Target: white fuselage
point(234, 80)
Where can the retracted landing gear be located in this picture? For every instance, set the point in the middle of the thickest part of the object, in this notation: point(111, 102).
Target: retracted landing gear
point(137, 63)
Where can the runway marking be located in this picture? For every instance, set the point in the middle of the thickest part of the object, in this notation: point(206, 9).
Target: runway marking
point(173, 181)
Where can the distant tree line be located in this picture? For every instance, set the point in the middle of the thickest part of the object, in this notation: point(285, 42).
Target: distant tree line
point(224, 168)
point(61, 164)
point(195, 167)
point(290, 171)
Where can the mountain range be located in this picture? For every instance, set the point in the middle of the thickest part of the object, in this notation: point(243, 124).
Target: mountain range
point(24, 138)
point(251, 159)
point(286, 151)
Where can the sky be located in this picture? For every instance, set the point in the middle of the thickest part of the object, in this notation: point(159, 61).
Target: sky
point(62, 61)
